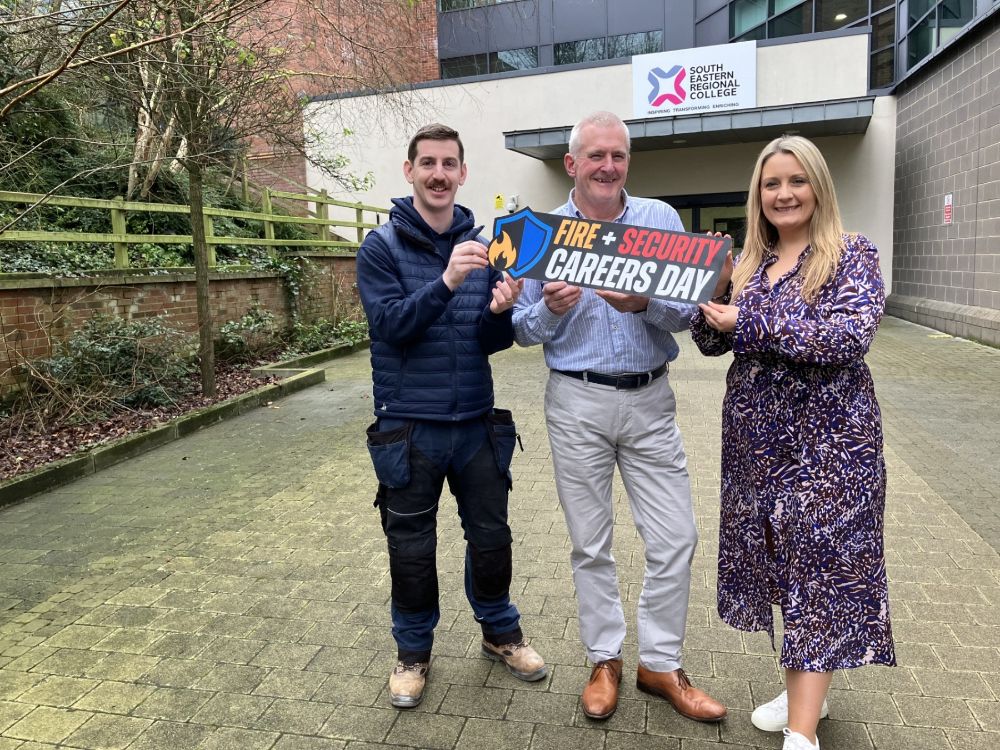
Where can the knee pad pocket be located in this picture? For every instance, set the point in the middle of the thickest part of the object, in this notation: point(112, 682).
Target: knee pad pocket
point(491, 572)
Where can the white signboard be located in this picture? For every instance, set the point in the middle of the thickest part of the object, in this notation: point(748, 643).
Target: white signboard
point(695, 81)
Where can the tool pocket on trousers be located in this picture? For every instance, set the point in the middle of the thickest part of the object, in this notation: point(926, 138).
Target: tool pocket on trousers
point(503, 436)
point(390, 454)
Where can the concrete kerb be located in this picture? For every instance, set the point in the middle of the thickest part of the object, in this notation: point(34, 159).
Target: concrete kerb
point(297, 374)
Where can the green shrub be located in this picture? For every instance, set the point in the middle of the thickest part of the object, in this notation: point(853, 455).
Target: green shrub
point(323, 334)
point(110, 364)
point(252, 338)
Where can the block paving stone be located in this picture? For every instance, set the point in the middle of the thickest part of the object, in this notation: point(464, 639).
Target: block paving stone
point(230, 590)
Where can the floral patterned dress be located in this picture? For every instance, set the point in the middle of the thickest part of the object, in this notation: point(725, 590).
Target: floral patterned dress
point(803, 476)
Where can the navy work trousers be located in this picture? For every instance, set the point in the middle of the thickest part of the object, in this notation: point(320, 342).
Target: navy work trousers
point(412, 459)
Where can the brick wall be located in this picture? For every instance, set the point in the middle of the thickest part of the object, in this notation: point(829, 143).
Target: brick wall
point(352, 45)
point(36, 313)
point(948, 141)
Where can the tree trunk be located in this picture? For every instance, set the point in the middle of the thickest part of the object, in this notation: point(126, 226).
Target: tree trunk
point(206, 349)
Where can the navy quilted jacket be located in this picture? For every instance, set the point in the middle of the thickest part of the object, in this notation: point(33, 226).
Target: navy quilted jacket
point(429, 345)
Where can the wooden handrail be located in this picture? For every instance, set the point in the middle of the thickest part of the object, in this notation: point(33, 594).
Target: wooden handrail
point(120, 238)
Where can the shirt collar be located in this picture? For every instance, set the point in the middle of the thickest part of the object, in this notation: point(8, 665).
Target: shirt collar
point(577, 214)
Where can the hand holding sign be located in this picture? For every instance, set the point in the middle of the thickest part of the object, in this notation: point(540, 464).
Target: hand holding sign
point(505, 294)
point(620, 258)
point(465, 258)
point(560, 297)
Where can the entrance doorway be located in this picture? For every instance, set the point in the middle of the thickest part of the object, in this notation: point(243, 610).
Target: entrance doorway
point(713, 212)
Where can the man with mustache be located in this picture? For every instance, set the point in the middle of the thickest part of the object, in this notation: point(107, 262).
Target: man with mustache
point(608, 402)
point(436, 311)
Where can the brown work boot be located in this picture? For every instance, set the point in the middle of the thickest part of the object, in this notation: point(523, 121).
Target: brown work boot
point(676, 688)
point(406, 684)
point(600, 697)
point(521, 659)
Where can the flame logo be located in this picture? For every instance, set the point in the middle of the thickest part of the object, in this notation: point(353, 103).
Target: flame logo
point(501, 252)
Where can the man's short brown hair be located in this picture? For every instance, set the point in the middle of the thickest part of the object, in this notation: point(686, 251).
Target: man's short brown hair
point(435, 132)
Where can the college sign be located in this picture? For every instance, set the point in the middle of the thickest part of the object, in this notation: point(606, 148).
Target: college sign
point(695, 81)
point(658, 263)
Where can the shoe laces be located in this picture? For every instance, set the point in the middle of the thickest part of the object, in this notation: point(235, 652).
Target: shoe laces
point(513, 648)
point(418, 667)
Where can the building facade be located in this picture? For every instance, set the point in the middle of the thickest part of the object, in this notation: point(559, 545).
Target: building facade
point(899, 95)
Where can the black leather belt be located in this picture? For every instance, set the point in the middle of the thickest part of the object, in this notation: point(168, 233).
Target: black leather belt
point(625, 381)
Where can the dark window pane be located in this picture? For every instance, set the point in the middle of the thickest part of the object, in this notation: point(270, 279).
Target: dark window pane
point(953, 15)
point(882, 71)
point(796, 21)
point(456, 4)
point(884, 29)
point(584, 50)
point(759, 33)
point(921, 41)
point(780, 6)
point(466, 65)
point(918, 8)
point(514, 59)
point(745, 15)
point(879, 4)
point(641, 43)
point(835, 14)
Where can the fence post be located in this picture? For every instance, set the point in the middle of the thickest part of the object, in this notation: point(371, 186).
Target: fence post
point(323, 212)
point(209, 235)
point(265, 207)
point(245, 182)
point(118, 228)
point(360, 217)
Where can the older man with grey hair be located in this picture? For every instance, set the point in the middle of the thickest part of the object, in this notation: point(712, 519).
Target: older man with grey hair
point(608, 402)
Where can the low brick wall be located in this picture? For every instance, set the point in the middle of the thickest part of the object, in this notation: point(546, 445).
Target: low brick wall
point(37, 312)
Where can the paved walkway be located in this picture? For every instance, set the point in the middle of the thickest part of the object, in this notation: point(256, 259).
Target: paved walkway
point(230, 590)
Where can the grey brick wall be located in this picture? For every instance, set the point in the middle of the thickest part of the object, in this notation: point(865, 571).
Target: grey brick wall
point(948, 141)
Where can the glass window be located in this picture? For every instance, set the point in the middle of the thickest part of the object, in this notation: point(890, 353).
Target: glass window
point(759, 33)
point(745, 15)
point(884, 29)
point(447, 5)
point(835, 14)
point(780, 6)
point(883, 68)
point(952, 17)
point(514, 59)
point(641, 43)
point(880, 4)
point(584, 50)
point(796, 21)
point(921, 41)
point(918, 8)
point(466, 65)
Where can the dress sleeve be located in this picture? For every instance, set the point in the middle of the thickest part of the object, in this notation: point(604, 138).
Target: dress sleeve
point(845, 330)
point(710, 342)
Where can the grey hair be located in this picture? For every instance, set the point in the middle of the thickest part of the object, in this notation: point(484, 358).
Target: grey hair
point(601, 119)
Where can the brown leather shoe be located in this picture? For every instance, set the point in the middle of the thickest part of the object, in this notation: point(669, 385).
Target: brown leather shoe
point(686, 699)
point(600, 697)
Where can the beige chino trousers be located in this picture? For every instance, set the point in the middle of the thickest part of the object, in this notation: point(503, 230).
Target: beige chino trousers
point(593, 428)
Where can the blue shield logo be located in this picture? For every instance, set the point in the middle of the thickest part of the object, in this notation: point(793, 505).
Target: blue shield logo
point(529, 236)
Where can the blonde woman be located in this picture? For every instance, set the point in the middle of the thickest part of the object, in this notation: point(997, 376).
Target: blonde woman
point(803, 476)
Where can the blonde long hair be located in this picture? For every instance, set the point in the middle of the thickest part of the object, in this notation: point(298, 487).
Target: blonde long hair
point(825, 228)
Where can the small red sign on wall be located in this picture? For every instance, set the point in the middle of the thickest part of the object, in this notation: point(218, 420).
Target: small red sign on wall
point(948, 202)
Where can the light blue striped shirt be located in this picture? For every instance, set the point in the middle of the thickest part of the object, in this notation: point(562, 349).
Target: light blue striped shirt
point(593, 335)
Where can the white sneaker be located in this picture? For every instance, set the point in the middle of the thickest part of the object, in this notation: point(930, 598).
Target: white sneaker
point(795, 741)
point(773, 715)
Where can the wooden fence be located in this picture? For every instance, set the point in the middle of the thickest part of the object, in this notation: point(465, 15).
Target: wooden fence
point(324, 209)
